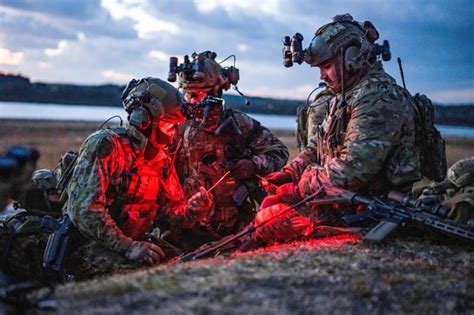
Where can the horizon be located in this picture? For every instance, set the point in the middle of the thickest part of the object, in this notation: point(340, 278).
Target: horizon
point(112, 41)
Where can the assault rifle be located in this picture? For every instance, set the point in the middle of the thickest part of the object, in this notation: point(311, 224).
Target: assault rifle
point(197, 254)
point(398, 210)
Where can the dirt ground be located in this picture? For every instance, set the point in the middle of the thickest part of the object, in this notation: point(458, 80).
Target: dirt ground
point(337, 275)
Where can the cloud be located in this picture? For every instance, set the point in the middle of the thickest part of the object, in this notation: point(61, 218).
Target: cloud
point(117, 76)
point(58, 8)
point(53, 52)
point(146, 25)
point(137, 37)
point(8, 57)
point(159, 55)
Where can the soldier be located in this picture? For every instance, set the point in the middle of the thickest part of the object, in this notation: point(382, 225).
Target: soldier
point(365, 144)
point(215, 141)
point(456, 192)
point(123, 180)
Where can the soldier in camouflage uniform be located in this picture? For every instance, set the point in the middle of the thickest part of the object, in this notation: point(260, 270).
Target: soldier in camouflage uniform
point(123, 180)
point(365, 144)
point(217, 140)
point(455, 192)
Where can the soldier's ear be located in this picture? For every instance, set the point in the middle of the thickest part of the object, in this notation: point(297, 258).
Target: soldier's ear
point(352, 59)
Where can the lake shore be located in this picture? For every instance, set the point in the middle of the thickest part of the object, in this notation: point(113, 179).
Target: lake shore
point(53, 137)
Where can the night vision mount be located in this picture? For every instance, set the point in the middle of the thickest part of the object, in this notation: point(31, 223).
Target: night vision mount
point(293, 50)
point(194, 70)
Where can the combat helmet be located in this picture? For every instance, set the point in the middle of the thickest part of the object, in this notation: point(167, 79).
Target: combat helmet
point(151, 99)
point(344, 35)
point(44, 179)
point(208, 75)
point(461, 173)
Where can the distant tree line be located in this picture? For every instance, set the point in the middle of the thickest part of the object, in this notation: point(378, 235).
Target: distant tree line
point(17, 88)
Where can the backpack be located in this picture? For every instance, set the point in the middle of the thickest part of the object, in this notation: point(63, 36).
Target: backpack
point(428, 140)
point(302, 127)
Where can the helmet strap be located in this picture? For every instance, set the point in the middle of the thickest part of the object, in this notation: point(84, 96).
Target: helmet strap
point(342, 69)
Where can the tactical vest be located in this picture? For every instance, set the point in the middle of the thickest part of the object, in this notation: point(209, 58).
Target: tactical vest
point(331, 135)
point(203, 159)
point(134, 201)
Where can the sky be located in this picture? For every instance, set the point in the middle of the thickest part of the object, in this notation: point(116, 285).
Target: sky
point(113, 41)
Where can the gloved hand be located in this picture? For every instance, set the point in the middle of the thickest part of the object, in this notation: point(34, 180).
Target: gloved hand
point(243, 169)
point(201, 204)
point(145, 252)
point(288, 193)
point(312, 179)
point(271, 182)
point(279, 178)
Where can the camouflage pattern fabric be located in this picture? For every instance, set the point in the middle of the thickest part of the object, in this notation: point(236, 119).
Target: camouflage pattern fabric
point(113, 175)
point(369, 144)
point(314, 116)
point(205, 157)
point(365, 146)
point(114, 197)
point(455, 192)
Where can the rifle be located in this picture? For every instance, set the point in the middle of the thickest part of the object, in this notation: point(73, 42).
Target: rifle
point(398, 210)
point(247, 230)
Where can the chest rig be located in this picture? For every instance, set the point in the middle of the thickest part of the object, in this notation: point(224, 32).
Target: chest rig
point(133, 192)
point(208, 155)
point(330, 134)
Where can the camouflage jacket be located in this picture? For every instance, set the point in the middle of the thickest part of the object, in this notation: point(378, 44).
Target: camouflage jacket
point(204, 157)
point(115, 193)
point(310, 117)
point(369, 144)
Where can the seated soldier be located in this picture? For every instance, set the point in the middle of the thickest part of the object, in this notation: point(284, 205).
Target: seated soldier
point(221, 144)
point(123, 179)
point(366, 143)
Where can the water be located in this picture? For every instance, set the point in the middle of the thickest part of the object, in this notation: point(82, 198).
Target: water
point(14, 110)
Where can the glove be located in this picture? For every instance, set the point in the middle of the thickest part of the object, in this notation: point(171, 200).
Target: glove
point(278, 178)
point(288, 193)
point(146, 252)
point(243, 169)
point(271, 182)
point(201, 204)
point(312, 179)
